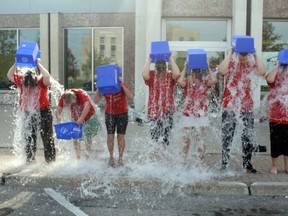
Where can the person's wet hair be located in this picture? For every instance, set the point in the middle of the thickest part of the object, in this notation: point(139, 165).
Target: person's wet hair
point(199, 73)
point(160, 66)
point(30, 79)
point(68, 96)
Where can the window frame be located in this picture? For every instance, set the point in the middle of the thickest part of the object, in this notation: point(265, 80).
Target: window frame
point(93, 44)
point(215, 46)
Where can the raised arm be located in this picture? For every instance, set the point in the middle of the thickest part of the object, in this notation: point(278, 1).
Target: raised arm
point(11, 72)
point(212, 78)
point(181, 80)
point(175, 68)
point(146, 69)
point(97, 96)
point(58, 114)
point(261, 70)
point(44, 72)
point(270, 78)
point(223, 67)
point(129, 94)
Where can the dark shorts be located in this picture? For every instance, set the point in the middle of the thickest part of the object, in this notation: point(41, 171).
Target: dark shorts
point(278, 139)
point(116, 123)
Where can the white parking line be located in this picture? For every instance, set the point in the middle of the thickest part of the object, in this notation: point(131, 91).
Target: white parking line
point(62, 201)
point(17, 201)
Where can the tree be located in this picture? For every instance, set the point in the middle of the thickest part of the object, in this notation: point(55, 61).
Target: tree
point(271, 39)
point(72, 64)
point(86, 67)
point(8, 45)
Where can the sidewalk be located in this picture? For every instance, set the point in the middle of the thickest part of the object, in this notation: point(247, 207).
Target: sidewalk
point(137, 139)
point(236, 182)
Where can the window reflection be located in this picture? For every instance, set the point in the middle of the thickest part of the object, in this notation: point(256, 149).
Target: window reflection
point(8, 48)
point(29, 35)
point(275, 38)
point(77, 57)
point(108, 47)
point(204, 30)
point(79, 67)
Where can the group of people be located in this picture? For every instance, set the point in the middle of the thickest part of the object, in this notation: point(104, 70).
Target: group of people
point(34, 103)
point(240, 71)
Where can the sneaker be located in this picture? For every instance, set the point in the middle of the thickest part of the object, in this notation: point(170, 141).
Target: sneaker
point(30, 160)
point(260, 148)
point(223, 169)
point(249, 168)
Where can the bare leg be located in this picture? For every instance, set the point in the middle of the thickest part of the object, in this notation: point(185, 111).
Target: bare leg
point(121, 147)
point(110, 145)
point(186, 146)
point(286, 163)
point(274, 166)
point(77, 148)
point(202, 147)
point(88, 148)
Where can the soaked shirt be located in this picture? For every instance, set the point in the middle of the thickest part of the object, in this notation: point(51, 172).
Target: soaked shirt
point(31, 99)
point(278, 99)
point(116, 103)
point(237, 96)
point(196, 101)
point(161, 94)
point(77, 108)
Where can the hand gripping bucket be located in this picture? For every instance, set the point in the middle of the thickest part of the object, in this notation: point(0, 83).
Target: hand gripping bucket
point(68, 130)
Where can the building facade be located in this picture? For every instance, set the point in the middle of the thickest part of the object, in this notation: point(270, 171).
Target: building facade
point(77, 36)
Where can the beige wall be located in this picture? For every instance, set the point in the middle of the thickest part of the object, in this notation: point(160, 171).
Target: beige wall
point(197, 8)
point(275, 9)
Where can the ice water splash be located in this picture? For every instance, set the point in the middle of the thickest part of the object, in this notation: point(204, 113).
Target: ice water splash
point(145, 161)
point(250, 80)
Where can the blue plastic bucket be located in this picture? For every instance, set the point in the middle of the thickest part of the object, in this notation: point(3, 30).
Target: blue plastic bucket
point(27, 54)
point(68, 130)
point(160, 51)
point(108, 79)
point(196, 59)
point(243, 44)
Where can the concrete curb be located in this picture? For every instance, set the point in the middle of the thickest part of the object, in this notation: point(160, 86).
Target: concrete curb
point(269, 189)
point(199, 188)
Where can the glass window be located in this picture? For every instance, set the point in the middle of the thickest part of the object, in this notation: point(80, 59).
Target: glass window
point(9, 38)
point(210, 35)
point(113, 48)
point(78, 54)
point(113, 39)
point(102, 47)
point(79, 67)
point(196, 30)
point(275, 38)
point(29, 35)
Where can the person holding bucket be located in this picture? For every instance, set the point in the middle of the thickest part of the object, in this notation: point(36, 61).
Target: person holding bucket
point(83, 112)
point(196, 82)
point(35, 104)
point(116, 117)
point(277, 80)
point(241, 69)
point(161, 108)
